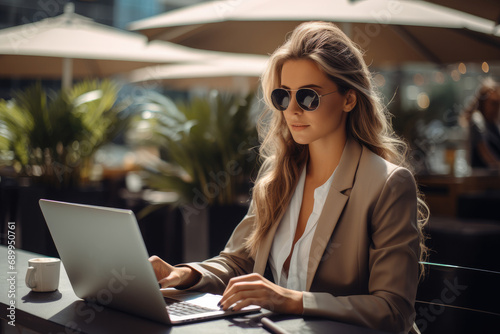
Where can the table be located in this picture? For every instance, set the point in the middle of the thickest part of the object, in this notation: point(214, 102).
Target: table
point(63, 312)
point(443, 191)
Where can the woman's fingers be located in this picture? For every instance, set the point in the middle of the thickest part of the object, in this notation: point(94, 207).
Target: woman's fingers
point(247, 278)
point(241, 286)
point(244, 293)
point(170, 276)
point(245, 282)
point(162, 270)
point(247, 290)
point(254, 289)
point(250, 301)
point(169, 281)
point(254, 280)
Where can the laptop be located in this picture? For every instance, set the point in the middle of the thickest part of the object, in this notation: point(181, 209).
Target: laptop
point(107, 262)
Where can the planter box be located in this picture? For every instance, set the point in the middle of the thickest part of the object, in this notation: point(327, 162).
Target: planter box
point(207, 230)
point(32, 232)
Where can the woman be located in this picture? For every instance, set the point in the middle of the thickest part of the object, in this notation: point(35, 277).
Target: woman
point(482, 117)
point(332, 228)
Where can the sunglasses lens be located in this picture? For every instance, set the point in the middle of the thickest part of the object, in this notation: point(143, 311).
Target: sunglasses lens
point(307, 99)
point(280, 99)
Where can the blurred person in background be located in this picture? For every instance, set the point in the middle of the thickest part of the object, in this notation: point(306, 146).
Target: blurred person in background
point(482, 119)
point(334, 228)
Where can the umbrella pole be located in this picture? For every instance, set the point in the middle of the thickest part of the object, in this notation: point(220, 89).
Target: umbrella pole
point(67, 73)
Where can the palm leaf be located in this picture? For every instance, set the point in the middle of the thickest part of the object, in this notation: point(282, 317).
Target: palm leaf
point(202, 137)
point(59, 129)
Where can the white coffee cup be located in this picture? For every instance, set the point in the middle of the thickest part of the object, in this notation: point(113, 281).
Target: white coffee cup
point(43, 274)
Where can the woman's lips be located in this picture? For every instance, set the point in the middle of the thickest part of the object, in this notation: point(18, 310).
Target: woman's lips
point(299, 127)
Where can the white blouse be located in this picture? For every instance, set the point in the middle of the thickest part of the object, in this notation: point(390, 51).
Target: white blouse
point(283, 239)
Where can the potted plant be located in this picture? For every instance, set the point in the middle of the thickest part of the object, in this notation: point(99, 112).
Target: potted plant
point(209, 154)
point(49, 139)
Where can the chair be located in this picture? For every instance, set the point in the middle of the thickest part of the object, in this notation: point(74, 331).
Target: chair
point(464, 242)
point(481, 205)
point(453, 299)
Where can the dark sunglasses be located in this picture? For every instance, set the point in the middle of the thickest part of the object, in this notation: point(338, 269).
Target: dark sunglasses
point(307, 98)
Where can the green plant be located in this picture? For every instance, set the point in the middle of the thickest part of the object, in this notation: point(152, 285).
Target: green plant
point(208, 144)
point(52, 136)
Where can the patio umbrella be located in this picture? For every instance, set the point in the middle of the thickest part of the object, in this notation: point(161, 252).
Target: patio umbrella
point(230, 72)
point(488, 9)
point(71, 45)
point(391, 31)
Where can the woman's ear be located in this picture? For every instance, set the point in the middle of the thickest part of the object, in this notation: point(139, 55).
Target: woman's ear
point(350, 100)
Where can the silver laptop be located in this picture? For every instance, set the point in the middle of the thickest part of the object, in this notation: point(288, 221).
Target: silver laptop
point(106, 261)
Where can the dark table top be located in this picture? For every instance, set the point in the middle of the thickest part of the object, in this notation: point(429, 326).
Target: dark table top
point(62, 311)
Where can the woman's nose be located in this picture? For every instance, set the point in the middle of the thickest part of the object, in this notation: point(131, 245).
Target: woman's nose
point(293, 106)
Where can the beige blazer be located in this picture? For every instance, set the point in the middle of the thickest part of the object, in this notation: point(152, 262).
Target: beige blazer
point(363, 264)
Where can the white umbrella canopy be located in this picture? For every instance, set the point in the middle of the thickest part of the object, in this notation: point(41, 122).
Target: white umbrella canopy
point(488, 9)
point(229, 72)
point(390, 31)
point(71, 45)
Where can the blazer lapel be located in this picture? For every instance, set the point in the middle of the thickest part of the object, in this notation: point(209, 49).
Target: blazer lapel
point(335, 201)
point(263, 252)
point(265, 246)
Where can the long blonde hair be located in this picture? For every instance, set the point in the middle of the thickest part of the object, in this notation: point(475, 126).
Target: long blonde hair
point(283, 159)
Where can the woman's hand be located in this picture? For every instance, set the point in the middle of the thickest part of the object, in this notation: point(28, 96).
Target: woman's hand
point(253, 289)
point(170, 276)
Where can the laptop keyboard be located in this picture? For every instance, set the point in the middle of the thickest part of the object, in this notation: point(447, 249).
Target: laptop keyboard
point(180, 308)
